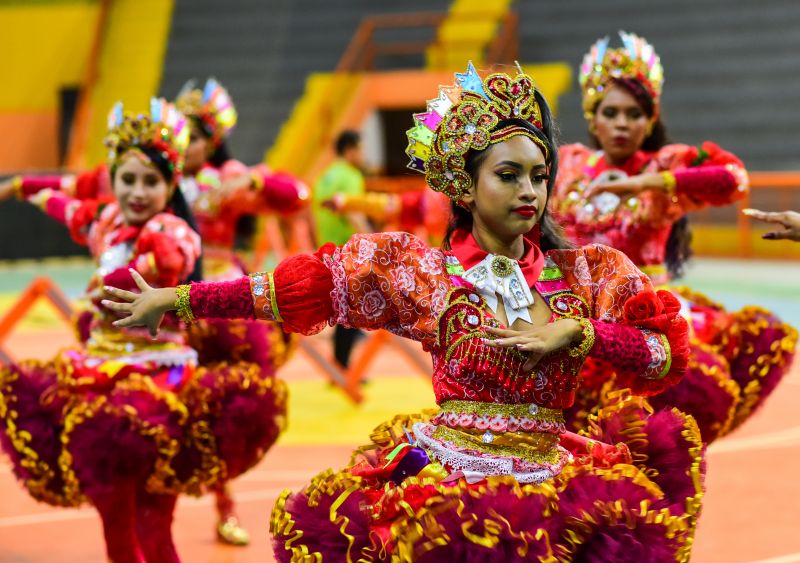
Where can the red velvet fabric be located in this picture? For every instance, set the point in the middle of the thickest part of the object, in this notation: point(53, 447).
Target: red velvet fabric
point(222, 300)
point(34, 184)
point(710, 185)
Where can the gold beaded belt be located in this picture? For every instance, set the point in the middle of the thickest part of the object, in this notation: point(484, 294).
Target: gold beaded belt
point(534, 447)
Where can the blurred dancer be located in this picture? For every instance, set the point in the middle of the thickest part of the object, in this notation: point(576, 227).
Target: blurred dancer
point(632, 192)
point(128, 421)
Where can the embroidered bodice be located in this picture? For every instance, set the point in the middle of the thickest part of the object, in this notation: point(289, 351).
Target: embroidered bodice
point(394, 281)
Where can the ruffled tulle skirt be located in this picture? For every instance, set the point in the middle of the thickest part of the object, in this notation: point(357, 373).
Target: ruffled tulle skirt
point(737, 360)
point(636, 501)
point(72, 434)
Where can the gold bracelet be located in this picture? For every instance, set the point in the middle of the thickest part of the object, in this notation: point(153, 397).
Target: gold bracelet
point(256, 181)
point(16, 185)
point(183, 303)
point(587, 341)
point(670, 183)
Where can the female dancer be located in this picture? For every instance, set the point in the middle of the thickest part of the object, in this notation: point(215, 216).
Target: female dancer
point(127, 421)
point(220, 191)
point(508, 314)
point(632, 192)
point(223, 193)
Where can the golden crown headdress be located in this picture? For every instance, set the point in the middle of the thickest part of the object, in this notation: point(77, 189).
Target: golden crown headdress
point(163, 129)
point(212, 105)
point(462, 118)
point(636, 59)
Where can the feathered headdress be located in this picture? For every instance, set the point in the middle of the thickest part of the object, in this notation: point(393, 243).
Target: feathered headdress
point(636, 60)
point(163, 129)
point(212, 106)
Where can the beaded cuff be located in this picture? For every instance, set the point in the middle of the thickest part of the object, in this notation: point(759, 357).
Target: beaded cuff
point(256, 181)
point(183, 305)
point(670, 183)
point(16, 185)
point(582, 349)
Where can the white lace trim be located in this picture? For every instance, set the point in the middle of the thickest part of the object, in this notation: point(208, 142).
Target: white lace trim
point(454, 459)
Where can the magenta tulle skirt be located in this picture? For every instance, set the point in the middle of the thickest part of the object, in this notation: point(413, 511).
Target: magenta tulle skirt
point(631, 492)
point(240, 340)
point(737, 360)
point(168, 430)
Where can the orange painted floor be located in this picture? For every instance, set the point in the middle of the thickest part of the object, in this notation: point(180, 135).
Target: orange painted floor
point(751, 512)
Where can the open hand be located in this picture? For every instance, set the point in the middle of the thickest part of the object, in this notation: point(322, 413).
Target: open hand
point(790, 220)
point(538, 341)
point(141, 309)
point(628, 187)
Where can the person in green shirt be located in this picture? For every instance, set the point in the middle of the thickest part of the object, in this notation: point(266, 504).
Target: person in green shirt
point(343, 176)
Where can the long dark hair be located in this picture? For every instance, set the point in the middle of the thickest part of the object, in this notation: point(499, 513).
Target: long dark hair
point(552, 235)
point(177, 203)
point(679, 243)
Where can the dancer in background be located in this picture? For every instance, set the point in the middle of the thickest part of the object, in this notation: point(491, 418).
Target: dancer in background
point(128, 421)
point(632, 191)
point(508, 312)
point(223, 194)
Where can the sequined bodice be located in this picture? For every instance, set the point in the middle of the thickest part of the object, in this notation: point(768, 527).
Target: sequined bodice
point(466, 368)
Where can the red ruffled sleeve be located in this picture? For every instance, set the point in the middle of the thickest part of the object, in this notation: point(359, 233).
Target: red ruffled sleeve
point(639, 333)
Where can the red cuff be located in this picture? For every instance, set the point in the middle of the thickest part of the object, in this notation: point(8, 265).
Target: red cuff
point(660, 312)
point(34, 184)
point(709, 185)
point(283, 193)
point(222, 300)
point(620, 346)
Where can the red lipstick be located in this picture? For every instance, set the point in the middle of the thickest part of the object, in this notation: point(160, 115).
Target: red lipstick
point(526, 211)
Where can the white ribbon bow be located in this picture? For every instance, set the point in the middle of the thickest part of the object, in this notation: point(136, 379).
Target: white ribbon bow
point(499, 275)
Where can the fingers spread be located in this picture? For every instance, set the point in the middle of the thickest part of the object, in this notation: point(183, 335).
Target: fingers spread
point(137, 277)
point(115, 306)
point(120, 293)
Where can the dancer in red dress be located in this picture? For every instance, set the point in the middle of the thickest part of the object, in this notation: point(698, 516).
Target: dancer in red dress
point(127, 421)
point(632, 192)
point(509, 313)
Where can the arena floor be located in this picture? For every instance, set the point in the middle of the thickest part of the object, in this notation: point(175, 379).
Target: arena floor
point(752, 505)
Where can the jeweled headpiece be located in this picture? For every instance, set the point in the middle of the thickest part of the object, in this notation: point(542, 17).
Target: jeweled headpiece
point(636, 59)
point(163, 129)
point(212, 106)
point(462, 118)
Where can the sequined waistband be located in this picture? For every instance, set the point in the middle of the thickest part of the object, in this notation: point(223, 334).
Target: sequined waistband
point(496, 417)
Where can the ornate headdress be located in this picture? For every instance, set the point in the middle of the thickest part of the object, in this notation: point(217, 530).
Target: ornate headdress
point(212, 106)
point(636, 59)
point(463, 118)
point(164, 129)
